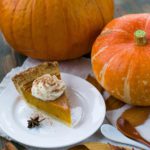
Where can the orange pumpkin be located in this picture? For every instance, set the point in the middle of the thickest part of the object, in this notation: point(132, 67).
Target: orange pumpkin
point(53, 29)
point(121, 59)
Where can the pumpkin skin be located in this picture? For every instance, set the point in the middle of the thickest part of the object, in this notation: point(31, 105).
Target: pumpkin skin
point(120, 65)
point(53, 29)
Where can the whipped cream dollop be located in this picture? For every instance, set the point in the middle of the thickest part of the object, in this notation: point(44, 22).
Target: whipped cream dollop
point(48, 87)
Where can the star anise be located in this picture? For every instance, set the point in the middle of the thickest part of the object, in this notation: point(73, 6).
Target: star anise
point(34, 122)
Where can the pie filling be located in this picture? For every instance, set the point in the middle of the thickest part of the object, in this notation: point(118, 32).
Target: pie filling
point(58, 108)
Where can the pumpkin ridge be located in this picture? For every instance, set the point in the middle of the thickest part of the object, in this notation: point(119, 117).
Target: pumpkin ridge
point(26, 8)
point(94, 61)
point(136, 65)
point(121, 31)
point(108, 31)
point(23, 12)
point(11, 24)
point(104, 69)
point(102, 74)
point(89, 40)
point(148, 19)
point(104, 48)
point(98, 52)
point(127, 96)
point(122, 19)
point(46, 38)
point(31, 21)
point(65, 22)
point(100, 12)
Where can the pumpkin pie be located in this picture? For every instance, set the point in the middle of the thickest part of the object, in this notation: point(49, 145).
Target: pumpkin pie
point(58, 108)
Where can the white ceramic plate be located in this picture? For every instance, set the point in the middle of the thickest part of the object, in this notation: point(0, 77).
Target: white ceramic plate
point(14, 113)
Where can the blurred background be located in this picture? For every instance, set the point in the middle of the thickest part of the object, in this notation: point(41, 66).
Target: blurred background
point(10, 59)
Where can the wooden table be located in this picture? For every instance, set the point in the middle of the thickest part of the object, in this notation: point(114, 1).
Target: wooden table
point(10, 59)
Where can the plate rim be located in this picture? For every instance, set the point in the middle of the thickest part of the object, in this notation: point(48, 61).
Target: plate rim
point(103, 106)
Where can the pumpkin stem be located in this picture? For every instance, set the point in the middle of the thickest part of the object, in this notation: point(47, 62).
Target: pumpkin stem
point(140, 37)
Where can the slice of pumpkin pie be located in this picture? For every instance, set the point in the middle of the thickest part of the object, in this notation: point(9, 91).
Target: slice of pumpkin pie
point(42, 87)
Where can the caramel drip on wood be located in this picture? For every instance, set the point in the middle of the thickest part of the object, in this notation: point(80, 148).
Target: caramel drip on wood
point(112, 103)
point(94, 82)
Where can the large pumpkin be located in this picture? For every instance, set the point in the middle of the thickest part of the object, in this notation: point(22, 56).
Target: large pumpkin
point(53, 29)
point(121, 59)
